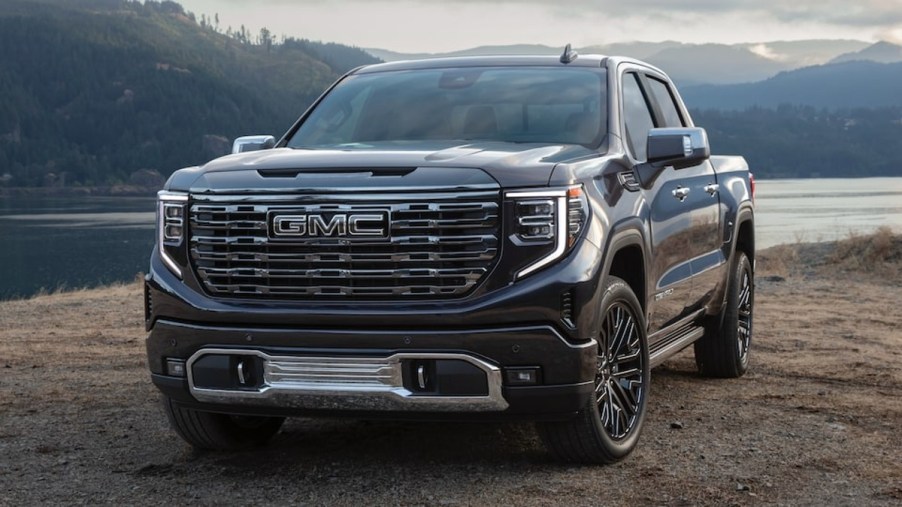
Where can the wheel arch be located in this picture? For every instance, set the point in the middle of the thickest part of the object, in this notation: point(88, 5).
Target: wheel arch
point(626, 260)
point(745, 233)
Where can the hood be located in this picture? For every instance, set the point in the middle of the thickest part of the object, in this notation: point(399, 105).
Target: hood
point(402, 165)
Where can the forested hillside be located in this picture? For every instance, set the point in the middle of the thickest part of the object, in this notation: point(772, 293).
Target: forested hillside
point(92, 91)
point(806, 142)
point(851, 84)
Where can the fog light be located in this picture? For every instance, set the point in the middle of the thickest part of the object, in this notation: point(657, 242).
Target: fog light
point(522, 376)
point(175, 367)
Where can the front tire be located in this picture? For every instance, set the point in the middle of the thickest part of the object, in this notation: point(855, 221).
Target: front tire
point(724, 350)
point(220, 432)
point(607, 429)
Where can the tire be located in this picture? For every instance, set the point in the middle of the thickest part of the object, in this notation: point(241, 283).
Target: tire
point(724, 349)
point(607, 429)
point(220, 432)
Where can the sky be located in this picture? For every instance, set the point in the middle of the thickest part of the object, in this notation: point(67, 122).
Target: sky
point(415, 26)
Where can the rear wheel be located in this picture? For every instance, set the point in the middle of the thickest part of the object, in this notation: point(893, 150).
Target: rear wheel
point(724, 350)
point(220, 432)
point(608, 427)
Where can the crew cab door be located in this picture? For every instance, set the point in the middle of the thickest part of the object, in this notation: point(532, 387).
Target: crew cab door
point(701, 201)
point(683, 210)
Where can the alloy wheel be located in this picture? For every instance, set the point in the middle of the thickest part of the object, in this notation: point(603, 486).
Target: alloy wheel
point(620, 380)
point(744, 335)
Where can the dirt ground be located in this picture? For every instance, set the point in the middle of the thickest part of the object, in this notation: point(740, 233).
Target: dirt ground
point(816, 421)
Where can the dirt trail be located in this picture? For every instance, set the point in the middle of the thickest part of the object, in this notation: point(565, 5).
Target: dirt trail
point(815, 422)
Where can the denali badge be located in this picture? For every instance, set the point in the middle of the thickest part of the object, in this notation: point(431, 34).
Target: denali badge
point(363, 225)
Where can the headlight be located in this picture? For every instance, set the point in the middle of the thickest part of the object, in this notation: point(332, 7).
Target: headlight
point(170, 226)
point(553, 218)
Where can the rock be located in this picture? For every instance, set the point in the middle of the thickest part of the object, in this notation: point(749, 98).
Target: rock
point(742, 487)
point(773, 278)
point(676, 425)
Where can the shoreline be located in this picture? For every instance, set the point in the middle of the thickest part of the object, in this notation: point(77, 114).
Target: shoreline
point(93, 191)
point(773, 260)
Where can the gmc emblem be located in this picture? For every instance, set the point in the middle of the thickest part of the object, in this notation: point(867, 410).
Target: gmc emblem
point(363, 225)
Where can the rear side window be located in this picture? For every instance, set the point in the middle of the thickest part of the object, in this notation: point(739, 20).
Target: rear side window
point(636, 116)
point(665, 100)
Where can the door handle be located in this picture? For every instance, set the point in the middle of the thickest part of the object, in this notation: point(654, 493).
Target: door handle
point(712, 188)
point(681, 193)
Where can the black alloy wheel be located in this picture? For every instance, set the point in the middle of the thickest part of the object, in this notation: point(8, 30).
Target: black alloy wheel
point(619, 383)
point(744, 316)
point(607, 429)
point(723, 351)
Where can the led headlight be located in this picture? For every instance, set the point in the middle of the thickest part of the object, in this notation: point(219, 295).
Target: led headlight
point(553, 216)
point(170, 225)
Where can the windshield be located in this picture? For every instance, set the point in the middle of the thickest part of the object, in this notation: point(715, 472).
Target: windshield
point(514, 104)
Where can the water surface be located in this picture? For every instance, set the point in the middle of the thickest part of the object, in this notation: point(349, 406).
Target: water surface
point(52, 243)
point(815, 210)
point(58, 243)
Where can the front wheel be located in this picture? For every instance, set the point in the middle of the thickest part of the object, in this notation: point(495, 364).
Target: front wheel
point(220, 432)
point(607, 429)
point(724, 350)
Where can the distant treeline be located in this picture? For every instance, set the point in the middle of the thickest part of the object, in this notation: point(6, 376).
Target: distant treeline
point(803, 142)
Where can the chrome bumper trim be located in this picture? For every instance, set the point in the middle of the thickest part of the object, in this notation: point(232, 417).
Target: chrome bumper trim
point(346, 383)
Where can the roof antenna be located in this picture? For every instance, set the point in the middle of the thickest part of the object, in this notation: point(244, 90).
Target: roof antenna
point(569, 55)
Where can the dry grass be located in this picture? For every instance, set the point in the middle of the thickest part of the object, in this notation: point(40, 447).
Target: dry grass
point(878, 254)
point(779, 260)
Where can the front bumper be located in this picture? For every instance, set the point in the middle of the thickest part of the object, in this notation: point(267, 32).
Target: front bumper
point(564, 384)
point(516, 327)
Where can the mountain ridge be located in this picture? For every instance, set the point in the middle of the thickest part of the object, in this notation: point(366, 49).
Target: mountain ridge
point(687, 63)
point(830, 86)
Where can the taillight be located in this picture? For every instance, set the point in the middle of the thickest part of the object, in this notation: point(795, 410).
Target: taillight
point(752, 185)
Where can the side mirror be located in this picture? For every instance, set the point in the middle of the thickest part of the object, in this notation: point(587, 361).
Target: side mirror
point(677, 147)
point(253, 143)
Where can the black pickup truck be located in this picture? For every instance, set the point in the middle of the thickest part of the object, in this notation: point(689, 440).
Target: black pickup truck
point(479, 238)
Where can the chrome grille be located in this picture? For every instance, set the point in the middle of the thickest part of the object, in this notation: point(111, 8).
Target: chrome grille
point(439, 245)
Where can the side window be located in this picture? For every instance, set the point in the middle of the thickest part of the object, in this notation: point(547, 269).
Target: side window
point(636, 116)
point(666, 102)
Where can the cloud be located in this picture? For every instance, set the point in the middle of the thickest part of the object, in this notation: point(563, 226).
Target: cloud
point(445, 25)
point(867, 13)
point(893, 35)
point(861, 13)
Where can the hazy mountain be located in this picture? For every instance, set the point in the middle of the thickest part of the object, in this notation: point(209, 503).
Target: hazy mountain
point(715, 64)
point(686, 63)
point(839, 85)
point(93, 91)
point(805, 53)
point(883, 52)
point(516, 49)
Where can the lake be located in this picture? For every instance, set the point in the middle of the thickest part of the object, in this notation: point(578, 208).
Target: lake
point(59, 243)
point(815, 210)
